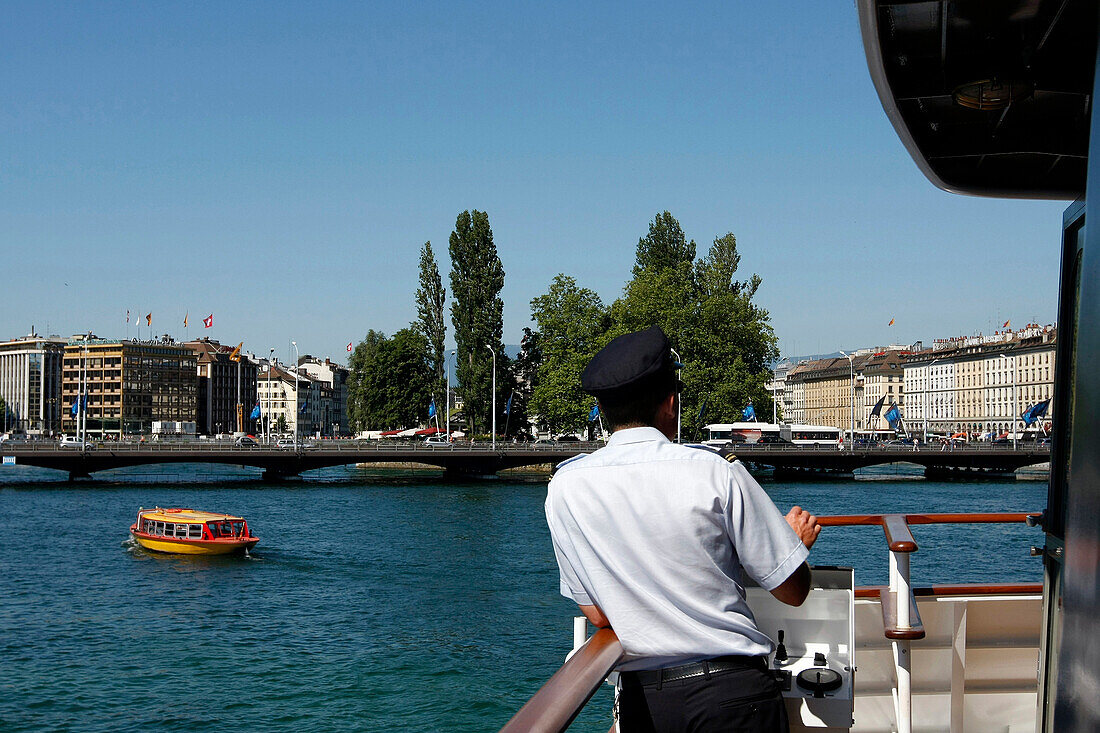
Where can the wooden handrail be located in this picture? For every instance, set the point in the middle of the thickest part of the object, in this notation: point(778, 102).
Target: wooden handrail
point(855, 520)
point(897, 532)
point(563, 696)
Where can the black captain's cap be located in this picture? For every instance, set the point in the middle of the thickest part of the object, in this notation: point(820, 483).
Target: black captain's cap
point(630, 360)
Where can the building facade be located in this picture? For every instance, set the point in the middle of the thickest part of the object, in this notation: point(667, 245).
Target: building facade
point(30, 384)
point(331, 416)
point(982, 384)
point(226, 388)
point(842, 392)
point(127, 385)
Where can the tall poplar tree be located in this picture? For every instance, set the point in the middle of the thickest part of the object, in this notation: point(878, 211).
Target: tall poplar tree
point(477, 313)
point(431, 297)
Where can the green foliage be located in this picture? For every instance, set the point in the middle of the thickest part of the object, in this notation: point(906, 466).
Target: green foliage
point(431, 321)
point(477, 313)
point(724, 339)
point(363, 355)
point(390, 384)
point(665, 246)
point(280, 424)
point(572, 326)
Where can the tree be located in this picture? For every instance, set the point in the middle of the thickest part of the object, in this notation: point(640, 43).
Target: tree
point(391, 381)
point(572, 326)
point(431, 321)
point(664, 246)
point(725, 340)
point(280, 424)
point(477, 312)
point(358, 391)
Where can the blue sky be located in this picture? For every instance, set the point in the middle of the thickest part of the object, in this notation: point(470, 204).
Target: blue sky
point(279, 165)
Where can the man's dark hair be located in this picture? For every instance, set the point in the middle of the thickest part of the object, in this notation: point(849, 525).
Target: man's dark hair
point(637, 404)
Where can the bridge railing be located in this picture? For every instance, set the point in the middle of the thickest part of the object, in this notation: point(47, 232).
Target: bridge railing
point(571, 448)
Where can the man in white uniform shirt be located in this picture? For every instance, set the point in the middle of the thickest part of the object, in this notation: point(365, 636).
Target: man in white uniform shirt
point(652, 539)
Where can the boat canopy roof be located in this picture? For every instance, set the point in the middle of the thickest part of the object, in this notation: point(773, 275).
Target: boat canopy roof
point(187, 516)
point(989, 98)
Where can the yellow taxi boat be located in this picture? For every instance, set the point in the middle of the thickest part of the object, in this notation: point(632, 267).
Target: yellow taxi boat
point(191, 532)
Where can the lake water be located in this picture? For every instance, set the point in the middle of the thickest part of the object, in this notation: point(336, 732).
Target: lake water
point(374, 601)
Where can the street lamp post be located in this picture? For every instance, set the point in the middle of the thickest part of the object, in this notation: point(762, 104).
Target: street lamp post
point(270, 361)
point(494, 396)
point(297, 409)
point(678, 405)
point(447, 374)
point(852, 400)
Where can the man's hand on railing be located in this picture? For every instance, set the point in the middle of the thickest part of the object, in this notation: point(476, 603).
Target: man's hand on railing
point(804, 525)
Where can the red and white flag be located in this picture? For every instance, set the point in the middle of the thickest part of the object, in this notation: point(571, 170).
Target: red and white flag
point(349, 347)
point(208, 321)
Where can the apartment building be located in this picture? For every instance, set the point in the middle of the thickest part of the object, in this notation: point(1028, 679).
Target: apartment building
point(981, 384)
point(226, 388)
point(331, 413)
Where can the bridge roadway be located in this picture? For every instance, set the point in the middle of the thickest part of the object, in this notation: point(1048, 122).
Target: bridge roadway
point(479, 459)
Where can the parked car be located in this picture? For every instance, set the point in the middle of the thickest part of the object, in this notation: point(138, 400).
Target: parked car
point(437, 440)
point(72, 441)
point(284, 443)
point(246, 441)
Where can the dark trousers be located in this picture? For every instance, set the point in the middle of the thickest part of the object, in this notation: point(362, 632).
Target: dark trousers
point(729, 701)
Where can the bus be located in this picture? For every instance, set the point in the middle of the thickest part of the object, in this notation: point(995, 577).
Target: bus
point(761, 432)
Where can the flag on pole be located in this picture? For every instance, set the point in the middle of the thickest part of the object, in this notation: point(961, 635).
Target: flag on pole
point(349, 347)
point(749, 413)
point(508, 404)
point(235, 355)
point(594, 413)
point(208, 321)
point(893, 415)
point(149, 319)
point(891, 323)
point(127, 316)
point(255, 411)
point(75, 406)
point(702, 409)
point(1007, 324)
point(431, 409)
point(1034, 412)
point(185, 317)
point(305, 404)
point(878, 407)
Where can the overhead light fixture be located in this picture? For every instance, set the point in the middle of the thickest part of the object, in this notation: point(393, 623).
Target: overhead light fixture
point(991, 94)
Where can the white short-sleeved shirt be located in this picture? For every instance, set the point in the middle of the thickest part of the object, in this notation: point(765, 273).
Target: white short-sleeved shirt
point(658, 535)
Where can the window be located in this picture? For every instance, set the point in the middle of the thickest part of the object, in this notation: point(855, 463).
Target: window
point(194, 531)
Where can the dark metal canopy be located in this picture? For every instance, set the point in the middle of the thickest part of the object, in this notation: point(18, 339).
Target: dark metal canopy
point(991, 97)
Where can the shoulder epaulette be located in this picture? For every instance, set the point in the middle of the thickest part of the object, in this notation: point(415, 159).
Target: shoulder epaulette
point(727, 453)
point(567, 461)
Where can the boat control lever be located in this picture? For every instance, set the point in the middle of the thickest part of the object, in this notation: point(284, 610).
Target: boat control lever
point(780, 650)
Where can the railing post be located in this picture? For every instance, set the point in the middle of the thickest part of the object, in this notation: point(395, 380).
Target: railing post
point(580, 631)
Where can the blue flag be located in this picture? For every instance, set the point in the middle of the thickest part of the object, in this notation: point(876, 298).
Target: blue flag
point(431, 409)
point(1035, 412)
point(702, 409)
point(255, 412)
point(304, 406)
point(76, 405)
point(508, 405)
point(594, 413)
point(748, 413)
point(893, 415)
